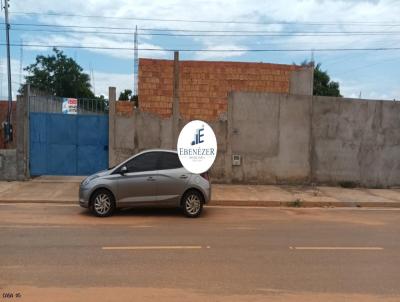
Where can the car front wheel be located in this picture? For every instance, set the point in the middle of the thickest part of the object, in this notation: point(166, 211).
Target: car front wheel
point(192, 204)
point(103, 203)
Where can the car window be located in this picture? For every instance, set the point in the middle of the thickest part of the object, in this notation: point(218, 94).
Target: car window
point(169, 160)
point(143, 162)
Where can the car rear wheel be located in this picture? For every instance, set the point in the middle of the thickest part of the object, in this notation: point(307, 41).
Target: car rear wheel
point(192, 204)
point(103, 203)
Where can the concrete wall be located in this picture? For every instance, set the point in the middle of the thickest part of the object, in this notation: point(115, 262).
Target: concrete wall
point(301, 81)
point(8, 167)
point(132, 131)
point(22, 140)
point(282, 138)
point(14, 162)
point(356, 141)
point(204, 86)
point(271, 133)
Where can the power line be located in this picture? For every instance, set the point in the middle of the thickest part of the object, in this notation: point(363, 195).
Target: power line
point(277, 34)
point(252, 31)
point(207, 50)
point(368, 65)
point(357, 41)
point(131, 30)
point(342, 59)
point(72, 31)
point(270, 34)
point(68, 26)
point(355, 23)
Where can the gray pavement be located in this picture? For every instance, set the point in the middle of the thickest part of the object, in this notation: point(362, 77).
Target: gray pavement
point(61, 189)
point(53, 252)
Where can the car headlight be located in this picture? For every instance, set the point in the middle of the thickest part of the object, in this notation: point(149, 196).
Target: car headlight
point(89, 179)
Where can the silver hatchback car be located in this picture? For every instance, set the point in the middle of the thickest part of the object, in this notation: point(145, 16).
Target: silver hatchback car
point(153, 177)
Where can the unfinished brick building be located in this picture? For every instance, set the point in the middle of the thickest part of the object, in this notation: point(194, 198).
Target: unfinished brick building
point(204, 86)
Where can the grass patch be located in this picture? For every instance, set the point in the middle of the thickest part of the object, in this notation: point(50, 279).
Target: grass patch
point(348, 184)
point(295, 204)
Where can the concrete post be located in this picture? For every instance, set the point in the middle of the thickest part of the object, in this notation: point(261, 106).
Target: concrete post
point(175, 104)
point(302, 81)
point(112, 96)
point(23, 134)
point(229, 132)
point(311, 160)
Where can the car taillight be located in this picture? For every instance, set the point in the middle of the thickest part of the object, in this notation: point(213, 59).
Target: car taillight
point(205, 176)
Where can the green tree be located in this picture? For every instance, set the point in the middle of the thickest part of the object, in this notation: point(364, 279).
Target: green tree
point(59, 75)
point(322, 82)
point(127, 95)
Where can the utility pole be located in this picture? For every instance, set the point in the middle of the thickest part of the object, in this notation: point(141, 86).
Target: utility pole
point(312, 57)
point(1, 77)
point(92, 78)
point(136, 62)
point(94, 83)
point(21, 59)
point(175, 100)
point(8, 128)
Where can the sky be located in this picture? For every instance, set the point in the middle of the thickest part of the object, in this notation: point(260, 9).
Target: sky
point(267, 25)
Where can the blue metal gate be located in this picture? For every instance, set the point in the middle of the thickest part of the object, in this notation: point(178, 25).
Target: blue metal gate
point(67, 144)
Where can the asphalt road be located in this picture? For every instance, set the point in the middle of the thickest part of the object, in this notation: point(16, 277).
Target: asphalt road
point(62, 253)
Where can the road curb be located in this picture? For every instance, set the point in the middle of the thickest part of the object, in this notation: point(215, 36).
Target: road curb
point(39, 201)
point(255, 203)
point(307, 204)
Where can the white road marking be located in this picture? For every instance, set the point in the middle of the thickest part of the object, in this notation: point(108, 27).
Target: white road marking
point(156, 247)
point(241, 228)
point(346, 248)
point(32, 226)
point(141, 226)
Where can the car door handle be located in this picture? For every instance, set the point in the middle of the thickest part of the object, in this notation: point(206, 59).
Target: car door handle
point(150, 178)
point(183, 176)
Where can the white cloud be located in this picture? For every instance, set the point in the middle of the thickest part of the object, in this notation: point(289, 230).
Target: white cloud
point(15, 78)
point(221, 55)
point(335, 12)
point(240, 10)
point(104, 80)
point(95, 41)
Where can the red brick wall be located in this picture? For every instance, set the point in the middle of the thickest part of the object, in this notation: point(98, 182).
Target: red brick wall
point(204, 85)
point(3, 117)
point(124, 108)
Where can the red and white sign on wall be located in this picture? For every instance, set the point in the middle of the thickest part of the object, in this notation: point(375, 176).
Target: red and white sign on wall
point(70, 106)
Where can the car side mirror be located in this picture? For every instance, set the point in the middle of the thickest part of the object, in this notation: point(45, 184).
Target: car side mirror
point(123, 170)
